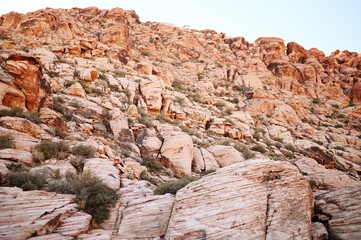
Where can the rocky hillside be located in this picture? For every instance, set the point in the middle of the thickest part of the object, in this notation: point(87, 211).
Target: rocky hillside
point(103, 118)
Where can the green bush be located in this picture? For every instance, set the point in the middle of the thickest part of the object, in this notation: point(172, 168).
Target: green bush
point(59, 133)
point(173, 186)
point(143, 176)
point(118, 73)
point(27, 180)
point(63, 186)
point(84, 151)
point(50, 149)
point(316, 101)
point(94, 196)
point(78, 164)
point(259, 148)
point(18, 112)
point(6, 141)
point(291, 148)
point(152, 164)
point(57, 105)
point(244, 150)
point(146, 121)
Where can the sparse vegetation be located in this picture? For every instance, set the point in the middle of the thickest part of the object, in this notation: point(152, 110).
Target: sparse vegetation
point(316, 101)
point(153, 164)
point(84, 151)
point(173, 186)
point(247, 153)
point(259, 148)
point(6, 141)
point(27, 180)
point(48, 149)
point(18, 112)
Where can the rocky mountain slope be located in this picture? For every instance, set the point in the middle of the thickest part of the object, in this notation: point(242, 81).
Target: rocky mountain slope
point(101, 111)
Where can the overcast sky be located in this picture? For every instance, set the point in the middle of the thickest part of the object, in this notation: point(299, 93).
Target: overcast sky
point(325, 24)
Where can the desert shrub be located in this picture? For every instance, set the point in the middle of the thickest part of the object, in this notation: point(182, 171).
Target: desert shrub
point(106, 120)
point(53, 74)
point(220, 104)
point(177, 85)
point(97, 91)
point(152, 164)
point(63, 186)
point(180, 100)
point(76, 73)
point(291, 148)
point(340, 148)
point(74, 104)
point(114, 88)
point(146, 121)
point(59, 133)
point(84, 151)
point(50, 149)
point(118, 73)
point(143, 176)
point(27, 180)
point(316, 101)
point(144, 53)
point(6, 141)
point(259, 148)
point(102, 76)
point(18, 112)
point(125, 153)
point(289, 154)
point(57, 105)
point(94, 196)
point(208, 172)
point(78, 164)
point(247, 153)
point(163, 118)
point(173, 186)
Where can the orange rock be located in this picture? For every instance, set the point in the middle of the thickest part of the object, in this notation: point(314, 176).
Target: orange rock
point(28, 78)
point(296, 53)
point(270, 48)
point(356, 93)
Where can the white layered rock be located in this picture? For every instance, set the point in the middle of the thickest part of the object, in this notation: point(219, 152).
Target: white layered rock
point(257, 199)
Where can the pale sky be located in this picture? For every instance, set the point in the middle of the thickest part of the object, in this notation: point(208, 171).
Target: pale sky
point(325, 24)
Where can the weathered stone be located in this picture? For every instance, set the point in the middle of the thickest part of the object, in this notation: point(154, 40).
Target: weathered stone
point(148, 142)
point(104, 169)
point(342, 212)
point(257, 199)
point(146, 218)
point(225, 155)
point(322, 177)
point(17, 155)
point(76, 90)
point(74, 225)
point(32, 213)
point(52, 119)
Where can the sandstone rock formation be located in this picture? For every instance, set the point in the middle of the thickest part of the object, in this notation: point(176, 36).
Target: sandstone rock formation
point(158, 103)
point(280, 205)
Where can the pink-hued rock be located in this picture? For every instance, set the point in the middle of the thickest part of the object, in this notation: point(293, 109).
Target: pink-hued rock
point(16, 155)
point(146, 217)
point(257, 199)
point(341, 210)
point(225, 155)
point(31, 213)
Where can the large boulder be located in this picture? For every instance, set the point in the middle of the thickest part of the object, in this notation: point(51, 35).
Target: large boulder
point(270, 48)
point(296, 53)
point(148, 142)
point(340, 210)
point(152, 90)
point(28, 79)
point(146, 218)
point(257, 199)
point(34, 213)
point(324, 178)
point(104, 169)
point(177, 152)
point(225, 155)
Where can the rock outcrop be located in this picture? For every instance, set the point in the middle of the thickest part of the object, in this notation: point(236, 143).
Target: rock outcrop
point(279, 205)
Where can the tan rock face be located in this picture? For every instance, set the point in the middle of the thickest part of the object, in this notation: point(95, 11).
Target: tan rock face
point(52, 118)
point(324, 178)
point(152, 94)
point(221, 205)
point(32, 212)
point(225, 155)
point(146, 218)
point(27, 78)
point(340, 209)
point(270, 48)
point(104, 169)
point(296, 53)
point(76, 90)
point(177, 152)
point(356, 93)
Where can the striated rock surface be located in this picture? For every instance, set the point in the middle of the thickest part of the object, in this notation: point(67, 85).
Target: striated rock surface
point(225, 155)
point(146, 218)
point(177, 152)
point(341, 211)
point(104, 169)
point(222, 206)
point(32, 213)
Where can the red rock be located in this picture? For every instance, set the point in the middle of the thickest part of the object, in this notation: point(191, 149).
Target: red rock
point(28, 78)
point(315, 53)
point(355, 93)
point(296, 53)
point(270, 48)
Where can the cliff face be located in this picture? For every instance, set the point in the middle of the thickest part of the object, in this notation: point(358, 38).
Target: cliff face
point(153, 102)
